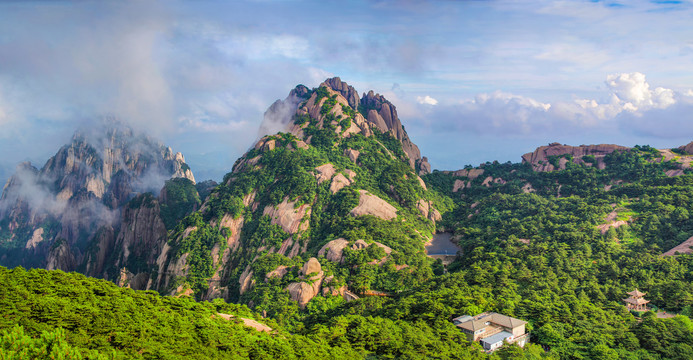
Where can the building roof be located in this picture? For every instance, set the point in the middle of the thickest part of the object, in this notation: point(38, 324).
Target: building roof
point(479, 322)
point(461, 319)
point(493, 339)
point(473, 325)
point(634, 301)
point(507, 321)
point(636, 293)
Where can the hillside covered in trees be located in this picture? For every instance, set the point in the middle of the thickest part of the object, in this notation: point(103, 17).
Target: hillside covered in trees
point(314, 221)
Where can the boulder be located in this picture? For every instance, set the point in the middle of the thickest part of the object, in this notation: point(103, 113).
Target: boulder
point(301, 292)
point(312, 266)
point(36, 238)
point(352, 154)
point(424, 166)
point(246, 280)
point(324, 172)
point(359, 244)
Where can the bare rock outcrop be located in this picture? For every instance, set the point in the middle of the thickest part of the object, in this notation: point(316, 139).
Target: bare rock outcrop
point(352, 154)
point(382, 114)
point(36, 238)
point(60, 257)
point(427, 210)
point(278, 116)
point(290, 218)
point(279, 272)
point(246, 280)
point(370, 204)
point(527, 188)
point(324, 172)
point(327, 171)
point(339, 182)
point(348, 92)
point(142, 235)
point(685, 247)
point(333, 250)
point(459, 184)
point(540, 157)
point(469, 173)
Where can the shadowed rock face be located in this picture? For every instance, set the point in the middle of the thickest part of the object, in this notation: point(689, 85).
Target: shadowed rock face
point(539, 158)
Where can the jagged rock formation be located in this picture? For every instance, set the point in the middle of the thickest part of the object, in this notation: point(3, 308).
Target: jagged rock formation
point(67, 214)
point(540, 157)
point(331, 166)
point(374, 109)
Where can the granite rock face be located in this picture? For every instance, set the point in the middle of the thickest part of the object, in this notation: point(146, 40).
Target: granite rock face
point(370, 204)
point(376, 110)
point(540, 157)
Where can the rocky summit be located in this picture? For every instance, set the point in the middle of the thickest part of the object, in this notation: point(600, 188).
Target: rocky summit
point(67, 215)
point(370, 108)
point(338, 163)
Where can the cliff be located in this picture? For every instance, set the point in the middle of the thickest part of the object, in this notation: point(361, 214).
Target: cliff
point(67, 214)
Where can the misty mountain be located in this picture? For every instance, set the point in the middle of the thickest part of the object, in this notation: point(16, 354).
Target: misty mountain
point(292, 197)
point(50, 217)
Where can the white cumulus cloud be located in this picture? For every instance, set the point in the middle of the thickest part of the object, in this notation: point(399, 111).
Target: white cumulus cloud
point(427, 100)
point(629, 103)
point(634, 92)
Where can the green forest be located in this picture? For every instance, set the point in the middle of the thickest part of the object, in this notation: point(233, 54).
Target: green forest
point(537, 246)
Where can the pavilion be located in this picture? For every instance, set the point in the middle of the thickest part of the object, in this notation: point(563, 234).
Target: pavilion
point(636, 301)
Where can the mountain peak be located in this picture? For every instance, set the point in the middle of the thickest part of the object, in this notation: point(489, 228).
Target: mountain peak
point(346, 90)
point(372, 110)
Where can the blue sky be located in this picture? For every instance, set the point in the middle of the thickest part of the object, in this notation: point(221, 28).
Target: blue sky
point(473, 81)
